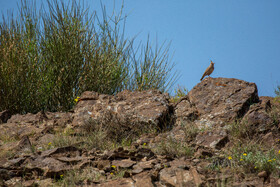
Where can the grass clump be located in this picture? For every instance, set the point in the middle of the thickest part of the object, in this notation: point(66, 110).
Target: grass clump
point(49, 57)
point(79, 177)
point(173, 148)
point(179, 92)
point(253, 158)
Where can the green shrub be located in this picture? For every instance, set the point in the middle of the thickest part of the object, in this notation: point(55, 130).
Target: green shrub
point(49, 57)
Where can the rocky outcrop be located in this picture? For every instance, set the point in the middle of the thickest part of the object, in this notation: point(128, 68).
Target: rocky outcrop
point(146, 107)
point(164, 154)
point(215, 101)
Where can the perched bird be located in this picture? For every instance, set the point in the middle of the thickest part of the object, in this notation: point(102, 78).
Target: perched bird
point(208, 71)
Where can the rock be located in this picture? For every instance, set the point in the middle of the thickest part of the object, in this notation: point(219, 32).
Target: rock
point(28, 118)
point(4, 116)
point(127, 163)
point(203, 153)
point(124, 182)
point(257, 118)
point(60, 151)
point(104, 165)
point(176, 177)
point(24, 145)
point(45, 182)
point(185, 111)
point(263, 174)
point(212, 139)
point(143, 179)
point(180, 164)
point(147, 164)
point(29, 183)
point(137, 169)
point(218, 100)
point(197, 178)
point(49, 166)
point(14, 162)
point(146, 107)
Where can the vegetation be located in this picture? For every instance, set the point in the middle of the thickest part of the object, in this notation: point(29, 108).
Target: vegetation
point(50, 56)
point(277, 91)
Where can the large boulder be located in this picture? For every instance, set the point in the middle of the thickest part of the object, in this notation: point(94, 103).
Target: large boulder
point(150, 107)
point(215, 101)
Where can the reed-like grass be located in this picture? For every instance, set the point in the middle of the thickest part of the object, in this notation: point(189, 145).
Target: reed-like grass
point(50, 56)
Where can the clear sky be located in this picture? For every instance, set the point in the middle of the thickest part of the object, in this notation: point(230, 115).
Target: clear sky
point(242, 37)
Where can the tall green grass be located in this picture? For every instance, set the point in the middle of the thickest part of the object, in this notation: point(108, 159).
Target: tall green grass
point(50, 56)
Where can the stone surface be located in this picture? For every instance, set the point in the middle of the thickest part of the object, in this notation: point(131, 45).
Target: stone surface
point(150, 107)
point(127, 163)
point(218, 100)
point(213, 139)
point(176, 177)
point(146, 161)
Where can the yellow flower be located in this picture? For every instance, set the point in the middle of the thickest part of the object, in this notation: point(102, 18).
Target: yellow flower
point(77, 99)
point(255, 167)
point(144, 144)
point(274, 159)
point(241, 159)
point(61, 176)
point(269, 160)
point(279, 151)
point(229, 157)
point(113, 166)
point(244, 154)
point(111, 173)
point(49, 143)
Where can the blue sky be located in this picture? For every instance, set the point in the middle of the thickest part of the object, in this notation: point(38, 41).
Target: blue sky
point(242, 37)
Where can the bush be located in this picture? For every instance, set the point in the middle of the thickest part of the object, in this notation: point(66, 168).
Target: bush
point(49, 57)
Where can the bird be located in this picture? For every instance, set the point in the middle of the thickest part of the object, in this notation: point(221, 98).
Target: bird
point(208, 71)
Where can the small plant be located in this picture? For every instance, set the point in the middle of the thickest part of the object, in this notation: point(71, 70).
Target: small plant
point(173, 148)
point(179, 93)
point(191, 131)
point(240, 130)
point(253, 158)
point(78, 177)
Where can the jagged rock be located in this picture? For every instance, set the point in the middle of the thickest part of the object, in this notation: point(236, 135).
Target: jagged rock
point(61, 151)
point(268, 139)
point(180, 164)
point(212, 139)
point(24, 145)
point(28, 118)
point(257, 117)
point(4, 116)
point(143, 179)
point(150, 107)
point(127, 163)
point(203, 153)
point(176, 177)
point(185, 111)
point(49, 166)
point(137, 169)
point(197, 177)
point(124, 182)
point(217, 100)
point(104, 165)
